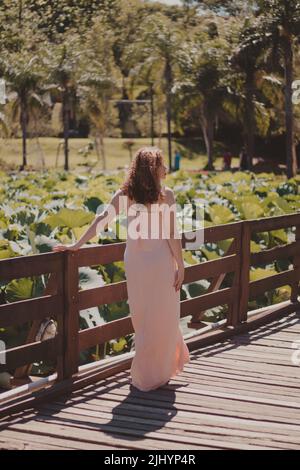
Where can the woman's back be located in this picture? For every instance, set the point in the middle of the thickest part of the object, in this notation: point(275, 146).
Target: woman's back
point(146, 224)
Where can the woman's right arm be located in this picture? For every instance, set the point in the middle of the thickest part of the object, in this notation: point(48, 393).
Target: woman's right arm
point(99, 223)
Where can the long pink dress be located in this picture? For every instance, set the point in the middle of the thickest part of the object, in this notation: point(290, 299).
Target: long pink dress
point(160, 350)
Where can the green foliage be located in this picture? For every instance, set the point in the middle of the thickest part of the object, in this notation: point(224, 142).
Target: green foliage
point(207, 70)
point(65, 205)
point(69, 218)
point(220, 214)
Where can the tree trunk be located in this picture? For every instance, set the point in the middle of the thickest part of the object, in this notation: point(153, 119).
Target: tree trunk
point(160, 121)
point(291, 157)
point(41, 155)
point(152, 114)
point(66, 126)
point(207, 124)
point(168, 78)
point(97, 147)
point(102, 150)
point(24, 129)
point(250, 119)
point(57, 154)
point(20, 13)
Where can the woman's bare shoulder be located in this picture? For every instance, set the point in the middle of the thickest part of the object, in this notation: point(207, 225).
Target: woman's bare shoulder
point(120, 193)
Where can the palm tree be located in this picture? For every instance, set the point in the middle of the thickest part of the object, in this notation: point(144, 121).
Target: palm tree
point(281, 21)
point(62, 64)
point(125, 23)
point(98, 83)
point(95, 92)
point(245, 59)
point(203, 71)
point(23, 76)
point(154, 59)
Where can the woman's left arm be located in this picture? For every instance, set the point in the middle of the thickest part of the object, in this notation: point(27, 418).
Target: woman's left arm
point(99, 223)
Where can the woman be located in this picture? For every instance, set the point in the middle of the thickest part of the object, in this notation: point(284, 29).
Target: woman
point(154, 268)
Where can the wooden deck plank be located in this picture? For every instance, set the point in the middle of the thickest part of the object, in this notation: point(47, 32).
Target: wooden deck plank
point(247, 377)
point(280, 434)
point(258, 366)
point(186, 417)
point(13, 443)
point(236, 386)
point(124, 438)
point(229, 370)
point(203, 399)
point(242, 393)
point(15, 438)
point(250, 359)
point(268, 413)
point(258, 345)
point(163, 440)
point(148, 407)
point(183, 434)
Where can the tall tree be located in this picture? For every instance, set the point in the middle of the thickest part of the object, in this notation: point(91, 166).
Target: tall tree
point(281, 20)
point(203, 70)
point(62, 64)
point(24, 76)
point(126, 25)
point(246, 60)
point(99, 83)
point(155, 54)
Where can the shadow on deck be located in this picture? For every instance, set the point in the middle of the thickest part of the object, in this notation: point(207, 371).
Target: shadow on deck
point(239, 393)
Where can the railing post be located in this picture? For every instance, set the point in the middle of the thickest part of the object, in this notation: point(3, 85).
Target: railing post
point(60, 319)
point(296, 263)
point(196, 321)
point(233, 318)
point(244, 283)
point(71, 315)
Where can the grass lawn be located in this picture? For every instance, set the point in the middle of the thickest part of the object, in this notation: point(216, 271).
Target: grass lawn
point(116, 155)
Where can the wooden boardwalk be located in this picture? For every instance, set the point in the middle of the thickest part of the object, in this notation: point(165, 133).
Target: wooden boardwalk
point(241, 393)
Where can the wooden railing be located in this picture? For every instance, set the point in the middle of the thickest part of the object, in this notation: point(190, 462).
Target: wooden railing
point(63, 301)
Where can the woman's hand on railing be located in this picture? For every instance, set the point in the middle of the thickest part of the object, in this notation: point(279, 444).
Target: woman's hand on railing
point(179, 277)
point(72, 247)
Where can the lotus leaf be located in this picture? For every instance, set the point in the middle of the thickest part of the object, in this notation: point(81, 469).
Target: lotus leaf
point(69, 218)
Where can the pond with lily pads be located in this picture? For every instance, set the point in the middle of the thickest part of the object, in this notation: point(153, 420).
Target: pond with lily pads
point(40, 209)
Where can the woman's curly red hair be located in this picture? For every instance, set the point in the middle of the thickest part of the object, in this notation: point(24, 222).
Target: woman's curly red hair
point(142, 183)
